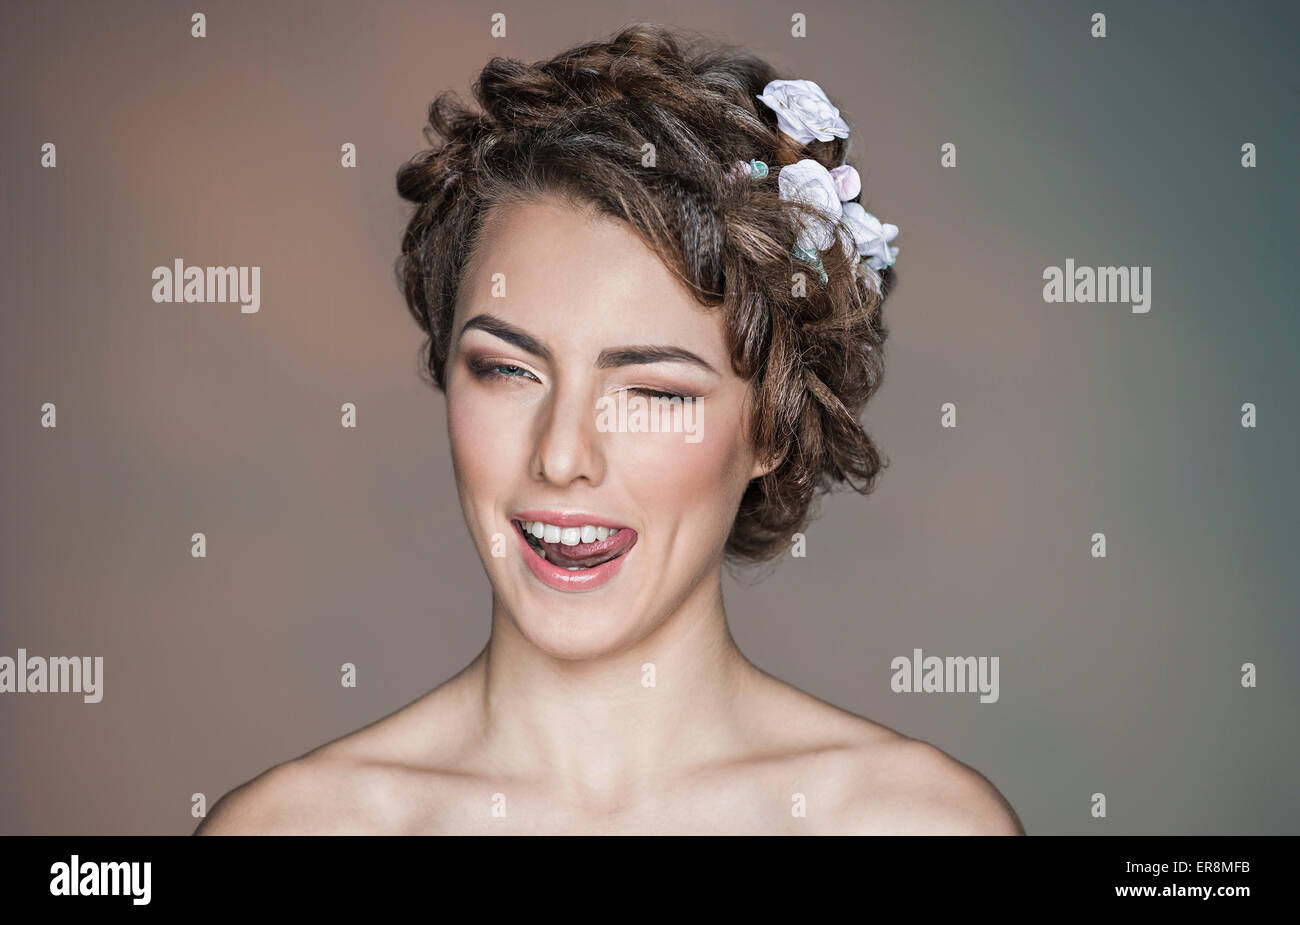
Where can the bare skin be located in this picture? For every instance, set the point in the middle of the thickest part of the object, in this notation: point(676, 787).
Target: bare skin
point(858, 777)
point(625, 708)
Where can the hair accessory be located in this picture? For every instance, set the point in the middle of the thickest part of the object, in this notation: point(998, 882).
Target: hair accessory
point(753, 170)
point(804, 113)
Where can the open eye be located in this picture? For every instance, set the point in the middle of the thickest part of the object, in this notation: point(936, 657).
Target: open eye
point(486, 369)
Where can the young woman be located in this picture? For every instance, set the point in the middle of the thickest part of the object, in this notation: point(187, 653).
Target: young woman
point(645, 231)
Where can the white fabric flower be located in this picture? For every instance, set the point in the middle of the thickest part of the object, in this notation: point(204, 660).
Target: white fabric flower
point(810, 182)
point(803, 112)
point(871, 235)
point(847, 181)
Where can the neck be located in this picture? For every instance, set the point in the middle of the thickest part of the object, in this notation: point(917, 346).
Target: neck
point(610, 725)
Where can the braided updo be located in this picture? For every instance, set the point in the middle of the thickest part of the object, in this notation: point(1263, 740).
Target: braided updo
point(581, 124)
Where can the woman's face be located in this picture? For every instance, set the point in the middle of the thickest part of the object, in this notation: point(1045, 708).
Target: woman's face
point(568, 335)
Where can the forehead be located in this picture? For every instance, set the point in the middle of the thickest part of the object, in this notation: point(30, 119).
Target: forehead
point(581, 282)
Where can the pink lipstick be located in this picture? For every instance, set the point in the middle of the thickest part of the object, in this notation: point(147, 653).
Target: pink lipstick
point(584, 563)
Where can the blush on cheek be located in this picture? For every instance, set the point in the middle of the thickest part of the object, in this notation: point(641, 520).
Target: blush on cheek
point(460, 433)
point(682, 481)
point(485, 445)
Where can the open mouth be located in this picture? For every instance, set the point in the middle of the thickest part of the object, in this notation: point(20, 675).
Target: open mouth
point(578, 548)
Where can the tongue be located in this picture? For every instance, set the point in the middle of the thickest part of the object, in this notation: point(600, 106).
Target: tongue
point(588, 555)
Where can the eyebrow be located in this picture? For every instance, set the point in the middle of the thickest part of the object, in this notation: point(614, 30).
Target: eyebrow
point(610, 358)
point(508, 333)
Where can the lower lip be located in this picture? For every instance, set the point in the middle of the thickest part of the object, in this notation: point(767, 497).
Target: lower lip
point(561, 579)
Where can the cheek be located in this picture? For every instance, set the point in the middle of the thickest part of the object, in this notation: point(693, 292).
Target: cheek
point(690, 481)
point(483, 435)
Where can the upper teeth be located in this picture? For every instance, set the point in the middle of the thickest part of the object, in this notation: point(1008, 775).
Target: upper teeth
point(569, 536)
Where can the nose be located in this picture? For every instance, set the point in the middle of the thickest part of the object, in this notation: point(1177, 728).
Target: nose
point(567, 444)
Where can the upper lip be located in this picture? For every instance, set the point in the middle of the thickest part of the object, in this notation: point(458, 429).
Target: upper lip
point(568, 519)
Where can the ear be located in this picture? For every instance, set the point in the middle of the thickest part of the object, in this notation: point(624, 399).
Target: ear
point(765, 464)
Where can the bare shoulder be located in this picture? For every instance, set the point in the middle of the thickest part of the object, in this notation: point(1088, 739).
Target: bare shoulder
point(371, 781)
point(377, 779)
point(904, 786)
point(317, 794)
point(876, 780)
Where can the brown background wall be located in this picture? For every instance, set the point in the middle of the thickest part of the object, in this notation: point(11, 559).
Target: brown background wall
point(327, 545)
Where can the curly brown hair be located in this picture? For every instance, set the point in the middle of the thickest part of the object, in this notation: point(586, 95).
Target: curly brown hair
point(579, 125)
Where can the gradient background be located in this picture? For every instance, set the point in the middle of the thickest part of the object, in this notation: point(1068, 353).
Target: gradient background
point(326, 545)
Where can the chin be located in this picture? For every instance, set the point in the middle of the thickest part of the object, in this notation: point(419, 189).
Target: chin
point(578, 627)
point(574, 613)
point(577, 638)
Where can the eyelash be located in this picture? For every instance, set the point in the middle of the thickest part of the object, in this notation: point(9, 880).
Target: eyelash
point(493, 371)
point(655, 393)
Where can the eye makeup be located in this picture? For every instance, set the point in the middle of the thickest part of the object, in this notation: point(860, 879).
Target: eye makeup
point(660, 393)
point(485, 368)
